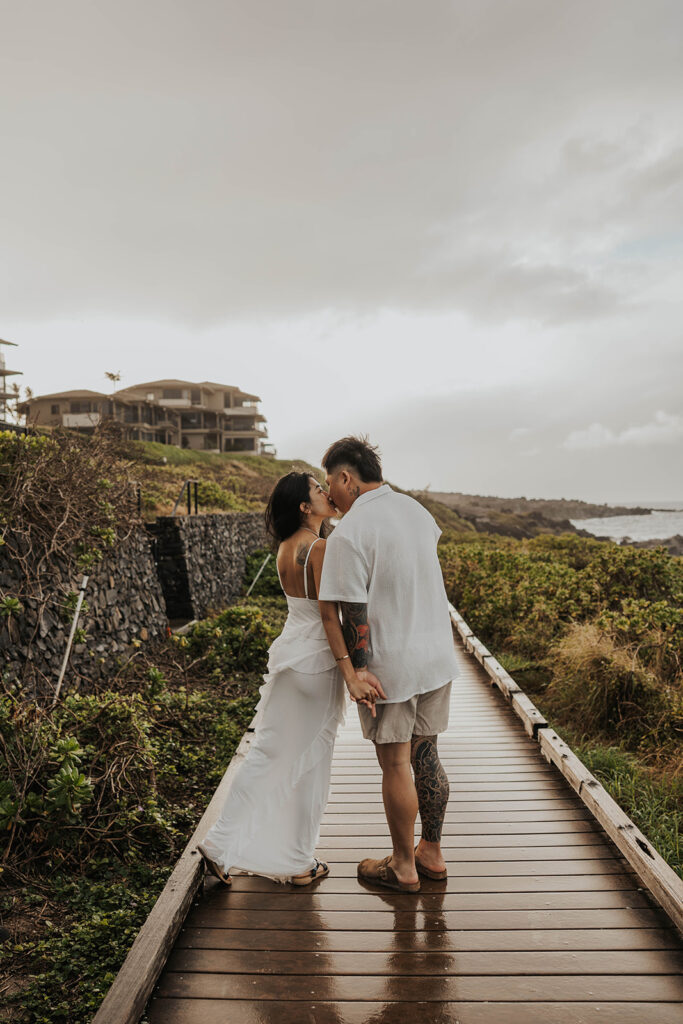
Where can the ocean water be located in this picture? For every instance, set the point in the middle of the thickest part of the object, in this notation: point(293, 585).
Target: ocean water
point(658, 525)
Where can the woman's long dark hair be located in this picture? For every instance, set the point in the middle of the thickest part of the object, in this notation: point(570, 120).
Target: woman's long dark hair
point(283, 514)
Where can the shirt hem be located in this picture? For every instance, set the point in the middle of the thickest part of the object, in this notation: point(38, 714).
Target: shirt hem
point(417, 693)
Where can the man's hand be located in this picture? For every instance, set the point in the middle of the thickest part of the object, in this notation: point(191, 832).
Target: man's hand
point(363, 693)
point(366, 676)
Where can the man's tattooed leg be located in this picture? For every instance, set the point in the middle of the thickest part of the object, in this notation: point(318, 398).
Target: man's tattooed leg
point(431, 783)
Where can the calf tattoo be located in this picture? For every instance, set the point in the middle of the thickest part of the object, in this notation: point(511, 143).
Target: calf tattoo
point(356, 632)
point(431, 783)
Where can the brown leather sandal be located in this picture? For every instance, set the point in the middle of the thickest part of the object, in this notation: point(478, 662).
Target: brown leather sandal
point(319, 871)
point(380, 872)
point(212, 867)
point(437, 876)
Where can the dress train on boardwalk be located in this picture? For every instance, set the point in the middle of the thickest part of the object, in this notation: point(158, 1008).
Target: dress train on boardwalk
point(270, 821)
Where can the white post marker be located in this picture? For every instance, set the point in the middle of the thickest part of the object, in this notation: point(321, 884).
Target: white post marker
point(255, 579)
point(77, 612)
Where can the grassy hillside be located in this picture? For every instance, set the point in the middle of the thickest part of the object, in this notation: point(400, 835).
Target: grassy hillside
point(232, 483)
point(228, 482)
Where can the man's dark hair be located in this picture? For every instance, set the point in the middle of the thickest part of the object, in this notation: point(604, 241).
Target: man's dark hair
point(358, 454)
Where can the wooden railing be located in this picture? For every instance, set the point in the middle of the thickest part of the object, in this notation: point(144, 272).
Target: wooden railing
point(652, 870)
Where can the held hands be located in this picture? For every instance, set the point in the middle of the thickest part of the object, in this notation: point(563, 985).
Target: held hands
point(366, 676)
point(365, 689)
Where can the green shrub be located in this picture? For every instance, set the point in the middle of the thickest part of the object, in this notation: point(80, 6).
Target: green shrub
point(212, 495)
point(237, 640)
point(268, 583)
point(608, 690)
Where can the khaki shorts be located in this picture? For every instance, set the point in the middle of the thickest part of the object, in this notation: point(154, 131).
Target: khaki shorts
point(425, 714)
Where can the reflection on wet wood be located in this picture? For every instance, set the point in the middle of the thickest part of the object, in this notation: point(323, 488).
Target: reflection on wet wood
point(540, 920)
point(256, 1011)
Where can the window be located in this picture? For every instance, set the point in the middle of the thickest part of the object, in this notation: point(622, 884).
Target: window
point(76, 407)
point(191, 420)
point(172, 393)
point(54, 410)
point(196, 396)
point(226, 400)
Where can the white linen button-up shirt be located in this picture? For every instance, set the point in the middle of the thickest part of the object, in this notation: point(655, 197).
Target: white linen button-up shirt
point(383, 554)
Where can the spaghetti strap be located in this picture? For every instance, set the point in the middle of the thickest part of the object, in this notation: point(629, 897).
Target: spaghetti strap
point(306, 565)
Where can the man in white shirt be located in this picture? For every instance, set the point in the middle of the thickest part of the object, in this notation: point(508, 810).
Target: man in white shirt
point(382, 571)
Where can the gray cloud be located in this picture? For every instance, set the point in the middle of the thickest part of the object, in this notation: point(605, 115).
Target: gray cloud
point(444, 223)
point(210, 160)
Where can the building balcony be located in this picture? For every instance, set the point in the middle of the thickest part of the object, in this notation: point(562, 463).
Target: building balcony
point(243, 410)
point(254, 432)
point(80, 419)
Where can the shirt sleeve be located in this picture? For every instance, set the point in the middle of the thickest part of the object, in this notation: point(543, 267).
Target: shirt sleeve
point(345, 575)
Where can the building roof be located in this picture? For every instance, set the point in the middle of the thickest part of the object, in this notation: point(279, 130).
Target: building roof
point(158, 384)
point(170, 383)
point(68, 394)
point(230, 387)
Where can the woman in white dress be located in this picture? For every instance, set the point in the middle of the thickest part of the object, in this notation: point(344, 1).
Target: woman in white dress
point(270, 821)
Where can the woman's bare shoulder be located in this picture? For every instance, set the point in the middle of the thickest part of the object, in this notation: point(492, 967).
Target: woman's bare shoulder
point(318, 549)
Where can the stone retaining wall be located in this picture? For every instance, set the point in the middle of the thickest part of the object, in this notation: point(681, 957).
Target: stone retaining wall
point(200, 559)
point(123, 603)
point(177, 568)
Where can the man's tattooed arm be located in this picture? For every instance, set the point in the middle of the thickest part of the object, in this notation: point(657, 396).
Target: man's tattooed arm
point(356, 632)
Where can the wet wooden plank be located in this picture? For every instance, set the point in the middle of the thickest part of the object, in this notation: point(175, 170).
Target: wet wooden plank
point(573, 813)
point(521, 868)
point(455, 883)
point(640, 987)
point(527, 940)
point(427, 962)
point(390, 921)
point(368, 902)
point(472, 832)
point(210, 1011)
point(479, 855)
point(566, 840)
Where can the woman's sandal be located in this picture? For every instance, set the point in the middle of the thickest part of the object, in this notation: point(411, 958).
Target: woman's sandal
point(212, 867)
point(319, 871)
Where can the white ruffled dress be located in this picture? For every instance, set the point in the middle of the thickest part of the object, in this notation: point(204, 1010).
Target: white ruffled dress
point(270, 821)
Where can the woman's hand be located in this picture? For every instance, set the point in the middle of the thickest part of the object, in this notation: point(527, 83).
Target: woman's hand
point(362, 693)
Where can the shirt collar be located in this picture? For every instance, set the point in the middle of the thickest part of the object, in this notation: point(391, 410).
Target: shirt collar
point(369, 495)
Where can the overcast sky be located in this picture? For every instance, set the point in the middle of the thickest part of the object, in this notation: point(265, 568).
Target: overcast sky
point(453, 225)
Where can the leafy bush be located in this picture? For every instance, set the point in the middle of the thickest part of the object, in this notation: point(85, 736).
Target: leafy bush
point(268, 583)
point(608, 690)
point(604, 622)
point(236, 640)
point(212, 495)
point(114, 785)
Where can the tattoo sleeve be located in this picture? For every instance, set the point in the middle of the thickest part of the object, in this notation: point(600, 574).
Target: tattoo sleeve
point(356, 632)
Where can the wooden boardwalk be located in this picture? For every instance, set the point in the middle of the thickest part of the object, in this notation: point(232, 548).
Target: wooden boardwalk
point(541, 921)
